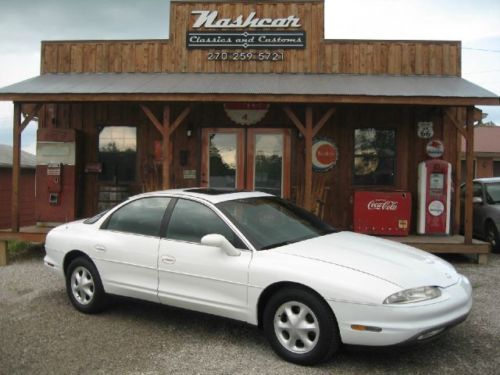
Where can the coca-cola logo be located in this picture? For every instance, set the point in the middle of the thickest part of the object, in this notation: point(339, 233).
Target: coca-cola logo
point(383, 205)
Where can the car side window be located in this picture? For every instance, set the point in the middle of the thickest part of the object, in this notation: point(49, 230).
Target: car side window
point(142, 216)
point(477, 190)
point(190, 221)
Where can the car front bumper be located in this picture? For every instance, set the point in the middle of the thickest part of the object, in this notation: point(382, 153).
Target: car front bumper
point(406, 323)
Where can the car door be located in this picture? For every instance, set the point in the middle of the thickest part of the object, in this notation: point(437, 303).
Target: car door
point(126, 248)
point(199, 277)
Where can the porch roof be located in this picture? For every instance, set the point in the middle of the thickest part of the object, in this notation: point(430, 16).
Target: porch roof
point(307, 88)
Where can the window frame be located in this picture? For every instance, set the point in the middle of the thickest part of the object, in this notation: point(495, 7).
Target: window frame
point(104, 225)
point(137, 146)
point(215, 210)
point(395, 158)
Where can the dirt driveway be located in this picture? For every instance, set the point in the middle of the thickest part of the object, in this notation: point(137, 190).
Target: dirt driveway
point(40, 332)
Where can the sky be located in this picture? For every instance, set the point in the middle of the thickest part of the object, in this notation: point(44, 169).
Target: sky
point(25, 23)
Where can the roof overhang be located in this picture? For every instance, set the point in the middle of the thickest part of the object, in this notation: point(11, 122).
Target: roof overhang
point(255, 87)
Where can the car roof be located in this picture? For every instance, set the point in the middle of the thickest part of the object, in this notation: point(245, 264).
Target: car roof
point(208, 194)
point(487, 180)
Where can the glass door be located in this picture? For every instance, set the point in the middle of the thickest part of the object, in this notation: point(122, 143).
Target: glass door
point(222, 161)
point(251, 159)
point(268, 161)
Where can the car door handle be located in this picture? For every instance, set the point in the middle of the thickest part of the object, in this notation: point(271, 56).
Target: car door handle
point(100, 247)
point(167, 259)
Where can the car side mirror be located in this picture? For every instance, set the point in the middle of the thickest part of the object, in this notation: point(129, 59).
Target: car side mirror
point(218, 240)
point(476, 200)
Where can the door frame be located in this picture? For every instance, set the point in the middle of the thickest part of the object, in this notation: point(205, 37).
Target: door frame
point(250, 157)
point(240, 155)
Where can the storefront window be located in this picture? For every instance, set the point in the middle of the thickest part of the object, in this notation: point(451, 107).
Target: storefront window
point(117, 153)
point(374, 156)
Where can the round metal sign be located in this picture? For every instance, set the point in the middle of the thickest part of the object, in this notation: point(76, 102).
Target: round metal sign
point(246, 113)
point(324, 154)
point(435, 148)
point(436, 208)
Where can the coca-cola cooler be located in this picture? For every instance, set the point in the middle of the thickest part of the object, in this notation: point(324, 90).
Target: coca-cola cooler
point(382, 212)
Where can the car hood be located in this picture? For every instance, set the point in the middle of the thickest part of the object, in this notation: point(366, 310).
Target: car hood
point(394, 262)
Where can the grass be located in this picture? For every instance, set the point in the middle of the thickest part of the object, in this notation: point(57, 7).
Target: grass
point(20, 249)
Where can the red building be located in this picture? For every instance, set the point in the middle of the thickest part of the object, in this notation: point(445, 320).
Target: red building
point(27, 193)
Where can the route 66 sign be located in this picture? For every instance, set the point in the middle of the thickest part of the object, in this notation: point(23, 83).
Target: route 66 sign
point(425, 129)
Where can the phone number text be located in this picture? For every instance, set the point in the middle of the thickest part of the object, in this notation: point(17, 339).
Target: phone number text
point(246, 56)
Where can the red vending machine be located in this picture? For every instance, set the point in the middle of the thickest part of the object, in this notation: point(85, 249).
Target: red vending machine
point(434, 197)
point(56, 176)
point(382, 212)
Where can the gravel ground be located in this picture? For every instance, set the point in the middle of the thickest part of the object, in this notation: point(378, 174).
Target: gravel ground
point(40, 332)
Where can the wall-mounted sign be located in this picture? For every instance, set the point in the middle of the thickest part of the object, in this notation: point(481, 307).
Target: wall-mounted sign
point(435, 148)
point(246, 113)
point(189, 174)
point(209, 20)
point(246, 39)
point(93, 167)
point(324, 154)
point(244, 32)
point(425, 129)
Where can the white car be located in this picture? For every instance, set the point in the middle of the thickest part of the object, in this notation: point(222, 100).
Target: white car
point(254, 257)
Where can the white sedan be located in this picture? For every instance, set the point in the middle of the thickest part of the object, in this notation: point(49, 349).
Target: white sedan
point(256, 258)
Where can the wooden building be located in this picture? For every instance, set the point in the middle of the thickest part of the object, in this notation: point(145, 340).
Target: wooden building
point(27, 193)
point(239, 96)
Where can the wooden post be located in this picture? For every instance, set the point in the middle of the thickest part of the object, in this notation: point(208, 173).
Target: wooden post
point(308, 139)
point(3, 253)
point(16, 167)
point(469, 159)
point(458, 182)
point(166, 148)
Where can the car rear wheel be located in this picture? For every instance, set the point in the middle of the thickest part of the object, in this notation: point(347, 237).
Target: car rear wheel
point(492, 236)
point(84, 286)
point(300, 326)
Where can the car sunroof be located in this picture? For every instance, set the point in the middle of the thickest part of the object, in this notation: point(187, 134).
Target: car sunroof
point(210, 191)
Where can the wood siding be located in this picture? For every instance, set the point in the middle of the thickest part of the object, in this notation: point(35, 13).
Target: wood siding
point(26, 197)
point(336, 183)
point(319, 56)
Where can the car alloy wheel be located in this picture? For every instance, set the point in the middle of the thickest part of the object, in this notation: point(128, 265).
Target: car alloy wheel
point(296, 327)
point(82, 285)
point(492, 236)
point(300, 326)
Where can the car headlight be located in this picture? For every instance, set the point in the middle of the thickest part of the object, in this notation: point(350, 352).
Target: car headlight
point(422, 293)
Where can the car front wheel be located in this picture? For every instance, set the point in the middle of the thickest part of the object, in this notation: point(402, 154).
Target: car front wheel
point(492, 236)
point(300, 327)
point(84, 286)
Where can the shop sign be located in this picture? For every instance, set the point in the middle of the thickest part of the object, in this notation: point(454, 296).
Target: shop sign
point(425, 129)
point(247, 34)
point(324, 154)
point(435, 148)
point(246, 113)
point(246, 39)
point(209, 20)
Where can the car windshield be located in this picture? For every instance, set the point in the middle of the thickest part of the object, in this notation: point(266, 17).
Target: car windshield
point(493, 193)
point(270, 222)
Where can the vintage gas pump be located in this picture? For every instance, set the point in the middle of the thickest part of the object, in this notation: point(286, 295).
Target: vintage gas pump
point(56, 187)
point(434, 197)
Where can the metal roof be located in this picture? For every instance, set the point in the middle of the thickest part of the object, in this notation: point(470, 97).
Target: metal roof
point(28, 160)
point(308, 85)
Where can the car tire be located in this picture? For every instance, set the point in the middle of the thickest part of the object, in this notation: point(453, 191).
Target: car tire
point(84, 286)
point(491, 234)
point(318, 338)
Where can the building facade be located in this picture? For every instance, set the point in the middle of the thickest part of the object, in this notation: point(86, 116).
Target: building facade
point(245, 95)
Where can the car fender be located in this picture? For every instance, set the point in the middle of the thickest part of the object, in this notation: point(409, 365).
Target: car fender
point(332, 282)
